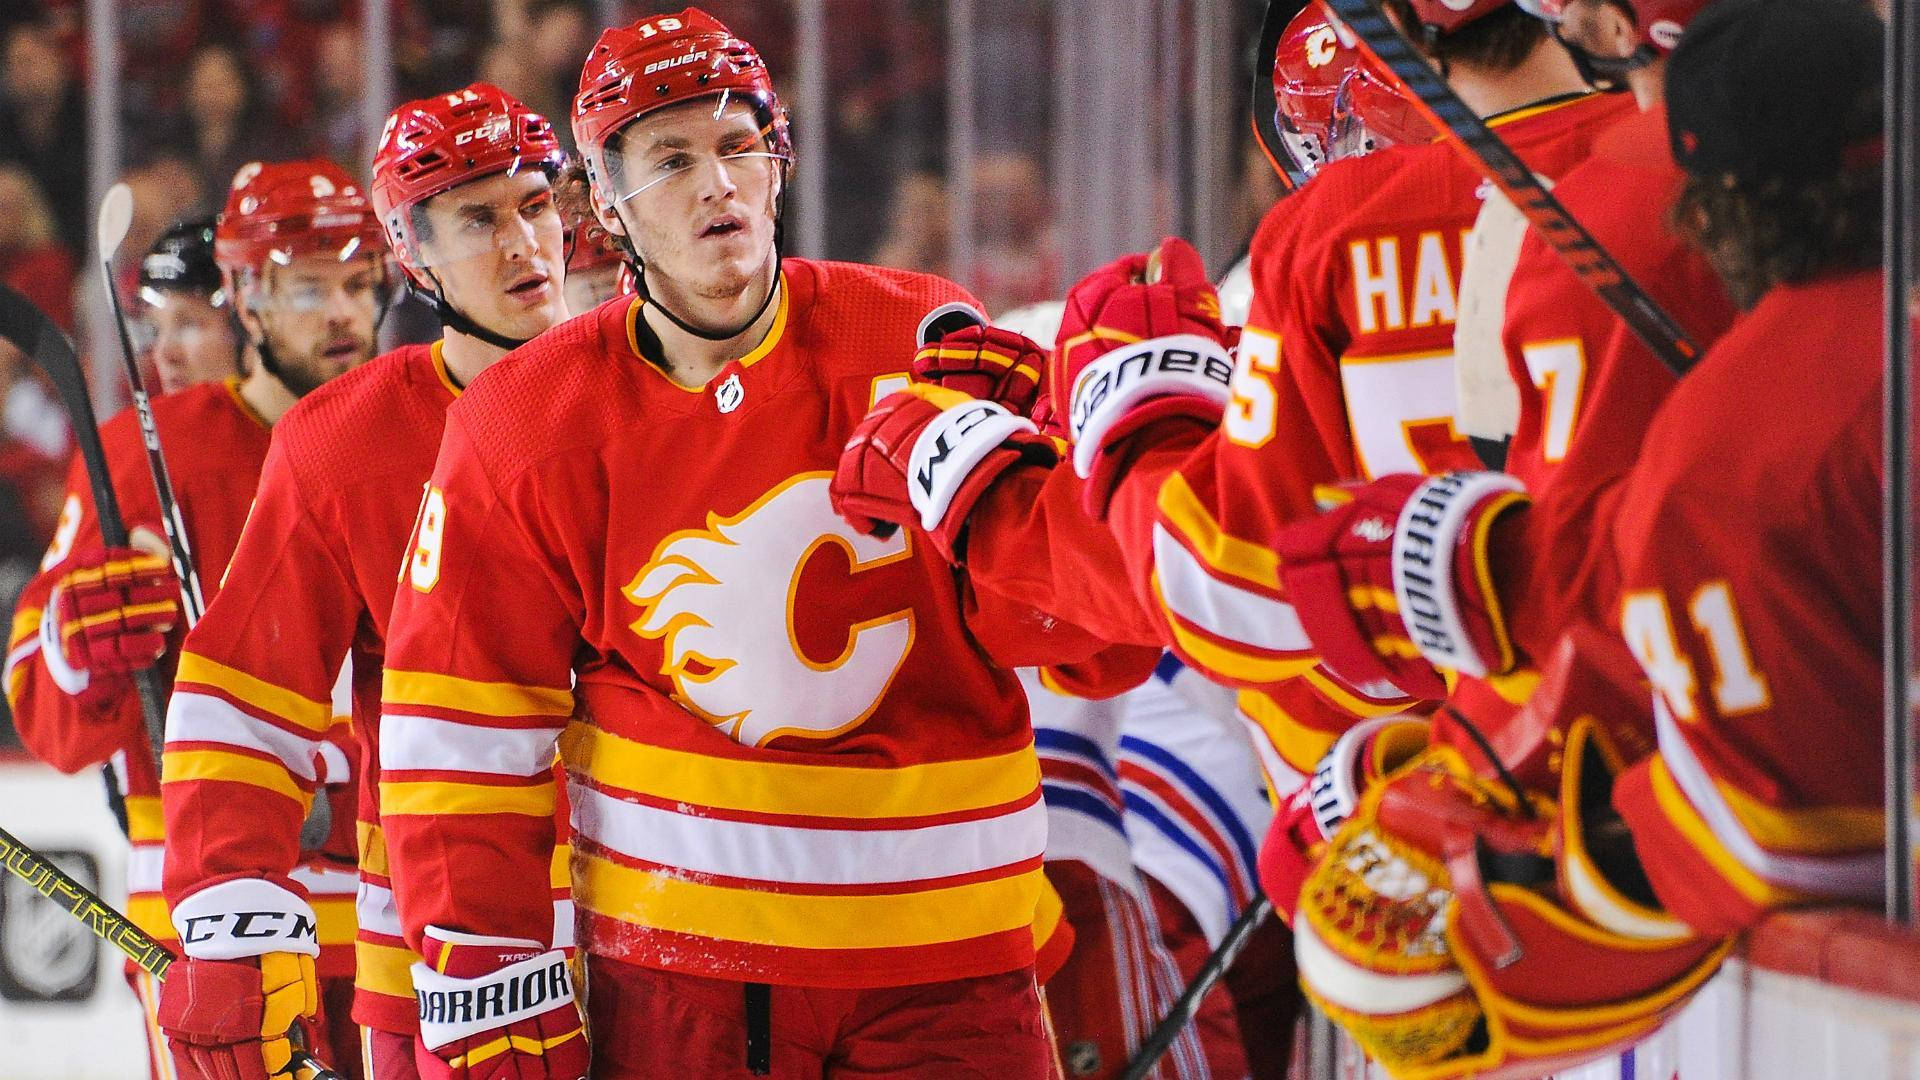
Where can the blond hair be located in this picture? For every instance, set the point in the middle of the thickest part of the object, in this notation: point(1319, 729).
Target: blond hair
point(25, 219)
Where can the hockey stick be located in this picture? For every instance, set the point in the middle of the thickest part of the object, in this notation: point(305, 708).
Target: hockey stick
point(116, 216)
point(1266, 105)
point(1459, 125)
point(119, 931)
point(29, 329)
point(1161, 1039)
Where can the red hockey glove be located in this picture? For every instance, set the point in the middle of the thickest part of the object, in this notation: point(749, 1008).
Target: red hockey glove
point(1132, 352)
point(1365, 753)
point(988, 363)
point(923, 457)
point(247, 978)
point(496, 1009)
point(109, 615)
point(1394, 582)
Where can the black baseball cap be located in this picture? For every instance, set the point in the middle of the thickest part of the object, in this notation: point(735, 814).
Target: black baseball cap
point(1777, 89)
point(182, 259)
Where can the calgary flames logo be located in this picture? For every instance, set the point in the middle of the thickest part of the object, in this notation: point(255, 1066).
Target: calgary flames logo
point(724, 600)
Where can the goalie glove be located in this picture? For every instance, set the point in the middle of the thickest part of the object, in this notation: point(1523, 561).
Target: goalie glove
point(109, 615)
point(923, 457)
point(1393, 583)
point(1133, 352)
point(1367, 752)
point(247, 977)
point(496, 1009)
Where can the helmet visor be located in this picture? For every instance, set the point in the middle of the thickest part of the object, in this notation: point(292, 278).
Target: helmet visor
point(497, 225)
point(1549, 10)
point(728, 139)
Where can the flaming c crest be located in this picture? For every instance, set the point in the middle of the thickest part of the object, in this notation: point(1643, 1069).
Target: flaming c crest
point(722, 601)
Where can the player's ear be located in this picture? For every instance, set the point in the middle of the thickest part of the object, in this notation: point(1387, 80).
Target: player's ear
point(609, 219)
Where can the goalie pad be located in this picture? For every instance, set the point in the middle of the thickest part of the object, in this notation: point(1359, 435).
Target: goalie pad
point(1437, 928)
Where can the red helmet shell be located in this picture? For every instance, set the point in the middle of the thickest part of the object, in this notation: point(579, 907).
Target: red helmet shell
point(1659, 22)
point(661, 61)
point(1446, 16)
point(277, 210)
point(438, 143)
point(1308, 68)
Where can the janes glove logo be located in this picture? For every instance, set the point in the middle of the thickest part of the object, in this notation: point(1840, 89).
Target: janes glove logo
point(1131, 372)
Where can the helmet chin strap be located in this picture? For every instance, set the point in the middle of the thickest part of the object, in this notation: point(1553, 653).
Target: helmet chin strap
point(456, 320)
point(640, 286)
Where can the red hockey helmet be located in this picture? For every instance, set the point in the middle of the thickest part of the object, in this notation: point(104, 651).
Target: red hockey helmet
point(1445, 16)
point(278, 210)
point(1332, 101)
point(438, 143)
point(1660, 22)
point(661, 61)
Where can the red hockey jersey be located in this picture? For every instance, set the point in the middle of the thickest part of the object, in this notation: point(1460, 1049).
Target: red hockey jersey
point(1588, 387)
point(311, 585)
point(1344, 371)
point(214, 444)
point(795, 753)
point(1750, 543)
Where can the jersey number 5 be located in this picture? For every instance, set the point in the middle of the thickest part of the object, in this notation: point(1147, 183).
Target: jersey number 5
point(1738, 686)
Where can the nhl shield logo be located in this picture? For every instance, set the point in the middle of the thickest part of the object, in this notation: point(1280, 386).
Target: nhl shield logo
point(729, 394)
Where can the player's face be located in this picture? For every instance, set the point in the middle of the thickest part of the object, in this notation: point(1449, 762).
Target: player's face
point(317, 315)
point(498, 249)
point(193, 341)
point(697, 189)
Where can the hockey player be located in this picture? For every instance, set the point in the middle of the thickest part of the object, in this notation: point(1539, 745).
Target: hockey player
point(808, 823)
point(1586, 391)
point(184, 308)
point(1196, 464)
point(1747, 538)
point(462, 186)
point(295, 247)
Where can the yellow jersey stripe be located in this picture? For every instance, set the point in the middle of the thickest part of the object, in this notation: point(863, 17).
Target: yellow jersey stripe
point(145, 822)
point(1222, 551)
point(766, 787)
point(1298, 745)
point(441, 797)
point(26, 624)
point(336, 922)
point(1822, 830)
point(1683, 817)
point(311, 715)
point(185, 765)
point(666, 901)
point(384, 969)
point(1215, 659)
point(471, 696)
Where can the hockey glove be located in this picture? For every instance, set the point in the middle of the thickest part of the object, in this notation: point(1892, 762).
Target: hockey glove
point(496, 1009)
point(108, 616)
point(247, 977)
point(1393, 583)
point(923, 457)
point(1366, 753)
point(1132, 352)
point(988, 363)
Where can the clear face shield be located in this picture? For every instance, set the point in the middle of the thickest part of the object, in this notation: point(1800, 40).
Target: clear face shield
point(494, 249)
point(667, 156)
point(187, 334)
point(317, 309)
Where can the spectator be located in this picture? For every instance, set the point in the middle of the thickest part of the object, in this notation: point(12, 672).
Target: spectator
point(224, 122)
point(1016, 244)
point(559, 34)
point(339, 85)
point(916, 237)
point(33, 262)
point(43, 126)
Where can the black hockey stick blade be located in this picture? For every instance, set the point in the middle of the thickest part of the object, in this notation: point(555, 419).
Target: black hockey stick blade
point(1460, 126)
point(1266, 105)
point(30, 331)
point(114, 928)
point(1161, 1039)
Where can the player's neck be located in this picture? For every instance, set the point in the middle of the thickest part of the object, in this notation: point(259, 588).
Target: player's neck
point(1649, 85)
point(267, 396)
point(466, 357)
point(693, 361)
point(1547, 73)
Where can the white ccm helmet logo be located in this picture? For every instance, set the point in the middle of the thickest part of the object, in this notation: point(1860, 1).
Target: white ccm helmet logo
point(723, 600)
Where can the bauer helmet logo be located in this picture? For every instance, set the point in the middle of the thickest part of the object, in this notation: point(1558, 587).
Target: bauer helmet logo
point(729, 394)
point(670, 64)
